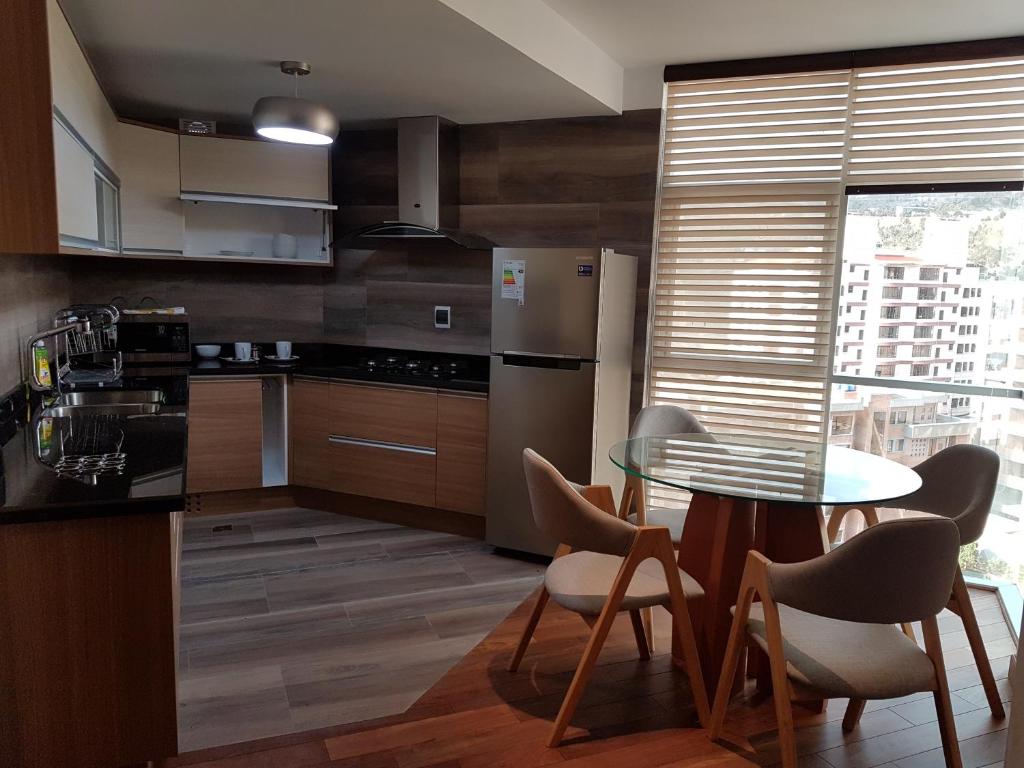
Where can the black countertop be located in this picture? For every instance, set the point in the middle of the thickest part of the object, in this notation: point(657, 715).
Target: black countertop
point(153, 477)
point(343, 362)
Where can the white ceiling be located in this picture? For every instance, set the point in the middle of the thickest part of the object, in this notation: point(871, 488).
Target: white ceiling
point(371, 59)
point(474, 60)
point(645, 35)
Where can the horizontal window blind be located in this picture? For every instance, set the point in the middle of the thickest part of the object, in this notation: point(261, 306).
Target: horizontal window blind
point(961, 121)
point(751, 181)
point(756, 130)
point(740, 332)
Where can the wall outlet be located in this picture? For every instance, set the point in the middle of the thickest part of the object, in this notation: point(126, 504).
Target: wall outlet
point(442, 317)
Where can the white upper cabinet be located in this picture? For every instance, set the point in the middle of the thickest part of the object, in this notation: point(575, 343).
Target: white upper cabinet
point(76, 186)
point(75, 92)
point(84, 143)
point(151, 211)
point(252, 168)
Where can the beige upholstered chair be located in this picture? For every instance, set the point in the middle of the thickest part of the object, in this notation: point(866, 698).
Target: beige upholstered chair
point(656, 421)
point(959, 482)
point(827, 625)
point(604, 565)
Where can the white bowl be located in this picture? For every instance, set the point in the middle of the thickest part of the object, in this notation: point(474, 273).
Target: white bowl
point(208, 351)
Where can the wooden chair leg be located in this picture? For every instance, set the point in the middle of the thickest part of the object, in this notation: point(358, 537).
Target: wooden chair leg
point(853, 712)
point(908, 630)
point(647, 615)
point(640, 634)
point(780, 680)
point(962, 601)
point(572, 698)
point(834, 521)
point(733, 653)
point(943, 708)
point(662, 549)
point(528, 630)
point(639, 552)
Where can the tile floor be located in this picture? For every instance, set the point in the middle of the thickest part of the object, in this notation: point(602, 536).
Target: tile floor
point(294, 619)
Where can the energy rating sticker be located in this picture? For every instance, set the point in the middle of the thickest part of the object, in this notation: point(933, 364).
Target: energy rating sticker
point(513, 280)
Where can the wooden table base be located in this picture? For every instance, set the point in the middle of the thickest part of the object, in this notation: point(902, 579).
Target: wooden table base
point(717, 534)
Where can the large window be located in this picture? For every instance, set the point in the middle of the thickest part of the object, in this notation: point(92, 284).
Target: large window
point(757, 328)
point(971, 245)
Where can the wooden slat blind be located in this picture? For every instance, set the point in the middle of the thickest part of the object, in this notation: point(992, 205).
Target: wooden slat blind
point(740, 332)
point(756, 130)
point(961, 121)
point(747, 237)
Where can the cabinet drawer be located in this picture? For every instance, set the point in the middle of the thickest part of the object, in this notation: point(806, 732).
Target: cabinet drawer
point(461, 453)
point(383, 414)
point(383, 470)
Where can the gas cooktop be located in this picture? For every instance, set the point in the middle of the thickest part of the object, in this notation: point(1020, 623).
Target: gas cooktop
point(421, 367)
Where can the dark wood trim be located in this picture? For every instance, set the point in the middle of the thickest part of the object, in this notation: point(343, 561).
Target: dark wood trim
point(868, 57)
point(956, 186)
point(28, 187)
point(935, 52)
point(772, 65)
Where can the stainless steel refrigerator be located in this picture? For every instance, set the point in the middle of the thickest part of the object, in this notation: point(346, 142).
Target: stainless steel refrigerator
point(561, 353)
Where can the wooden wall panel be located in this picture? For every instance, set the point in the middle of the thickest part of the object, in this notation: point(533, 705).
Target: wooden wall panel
point(575, 181)
point(28, 203)
point(87, 663)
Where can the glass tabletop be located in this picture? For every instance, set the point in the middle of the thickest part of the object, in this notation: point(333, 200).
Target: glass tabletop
point(765, 469)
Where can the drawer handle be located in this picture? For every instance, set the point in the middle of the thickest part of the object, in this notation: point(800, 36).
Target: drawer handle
point(339, 440)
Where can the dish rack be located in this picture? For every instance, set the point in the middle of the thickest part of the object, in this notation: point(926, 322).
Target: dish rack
point(86, 338)
point(84, 449)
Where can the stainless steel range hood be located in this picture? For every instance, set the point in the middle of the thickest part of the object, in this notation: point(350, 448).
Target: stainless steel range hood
point(428, 188)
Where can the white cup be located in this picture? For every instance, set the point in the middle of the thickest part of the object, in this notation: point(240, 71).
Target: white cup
point(243, 350)
point(284, 349)
point(284, 246)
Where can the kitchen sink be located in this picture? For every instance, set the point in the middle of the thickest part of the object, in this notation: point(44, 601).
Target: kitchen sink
point(111, 402)
point(105, 409)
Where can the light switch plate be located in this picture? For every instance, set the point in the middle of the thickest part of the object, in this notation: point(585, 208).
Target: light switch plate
point(442, 317)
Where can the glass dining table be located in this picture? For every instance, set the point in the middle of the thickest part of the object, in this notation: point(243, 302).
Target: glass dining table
point(755, 493)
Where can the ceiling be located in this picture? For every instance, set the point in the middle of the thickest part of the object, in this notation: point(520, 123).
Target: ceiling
point(474, 60)
point(371, 59)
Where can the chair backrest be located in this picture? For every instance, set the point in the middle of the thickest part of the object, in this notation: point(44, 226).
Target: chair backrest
point(656, 420)
point(561, 512)
point(897, 571)
point(959, 483)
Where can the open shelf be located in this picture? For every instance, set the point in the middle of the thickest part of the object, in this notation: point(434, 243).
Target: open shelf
point(277, 202)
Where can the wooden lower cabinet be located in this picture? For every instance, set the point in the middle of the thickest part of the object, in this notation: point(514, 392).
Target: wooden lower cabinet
point(225, 435)
point(383, 442)
point(309, 432)
point(461, 452)
point(87, 647)
point(383, 472)
point(411, 445)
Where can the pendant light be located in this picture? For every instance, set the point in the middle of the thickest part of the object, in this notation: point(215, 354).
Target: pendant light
point(291, 119)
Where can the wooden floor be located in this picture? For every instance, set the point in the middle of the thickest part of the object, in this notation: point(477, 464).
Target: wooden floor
point(635, 714)
point(295, 619)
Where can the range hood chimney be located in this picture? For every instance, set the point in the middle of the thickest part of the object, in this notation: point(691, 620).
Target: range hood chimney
point(428, 188)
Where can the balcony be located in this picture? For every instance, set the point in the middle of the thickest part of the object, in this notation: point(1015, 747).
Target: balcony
point(943, 426)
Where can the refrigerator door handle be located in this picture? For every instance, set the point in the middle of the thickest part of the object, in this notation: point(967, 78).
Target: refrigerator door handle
point(534, 360)
point(519, 353)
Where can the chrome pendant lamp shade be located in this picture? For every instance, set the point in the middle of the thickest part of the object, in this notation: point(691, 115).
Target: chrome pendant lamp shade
point(291, 119)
